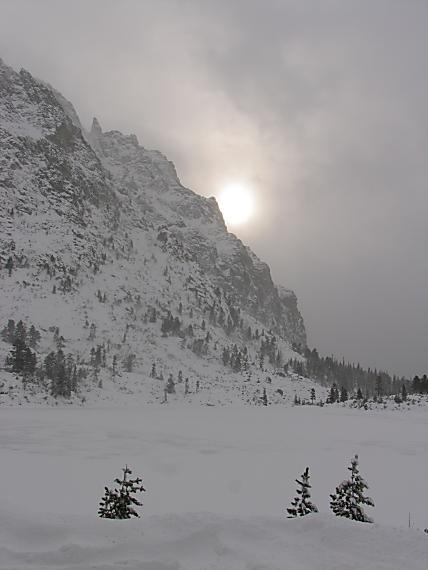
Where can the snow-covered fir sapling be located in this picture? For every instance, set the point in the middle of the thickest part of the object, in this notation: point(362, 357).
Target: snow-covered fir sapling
point(302, 505)
point(119, 503)
point(349, 497)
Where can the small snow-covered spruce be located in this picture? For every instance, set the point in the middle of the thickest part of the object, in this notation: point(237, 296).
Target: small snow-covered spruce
point(302, 505)
point(119, 503)
point(349, 497)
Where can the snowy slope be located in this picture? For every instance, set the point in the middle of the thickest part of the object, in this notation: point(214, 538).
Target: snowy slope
point(91, 215)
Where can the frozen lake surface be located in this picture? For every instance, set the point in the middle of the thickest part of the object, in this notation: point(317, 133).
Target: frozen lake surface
point(236, 465)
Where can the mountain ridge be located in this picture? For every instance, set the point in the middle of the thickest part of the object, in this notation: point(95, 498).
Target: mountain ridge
point(89, 212)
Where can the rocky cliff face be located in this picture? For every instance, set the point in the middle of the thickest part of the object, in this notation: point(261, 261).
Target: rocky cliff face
point(195, 224)
point(91, 214)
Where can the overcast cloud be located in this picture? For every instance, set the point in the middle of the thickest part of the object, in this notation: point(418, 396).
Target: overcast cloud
point(320, 106)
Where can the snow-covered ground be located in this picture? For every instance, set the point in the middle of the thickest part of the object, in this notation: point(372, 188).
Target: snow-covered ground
point(207, 542)
point(218, 481)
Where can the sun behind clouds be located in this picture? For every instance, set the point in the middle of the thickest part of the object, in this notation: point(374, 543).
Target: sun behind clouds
point(236, 203)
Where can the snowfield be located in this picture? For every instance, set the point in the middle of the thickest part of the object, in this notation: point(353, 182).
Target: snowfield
point(218, 481)
point(208, 541)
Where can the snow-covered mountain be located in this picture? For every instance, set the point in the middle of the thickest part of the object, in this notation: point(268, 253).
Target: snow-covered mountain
point(112, 259)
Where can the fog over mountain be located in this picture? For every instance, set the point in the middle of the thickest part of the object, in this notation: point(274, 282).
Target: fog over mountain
point(319, 107)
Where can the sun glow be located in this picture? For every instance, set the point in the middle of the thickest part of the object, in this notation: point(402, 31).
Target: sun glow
point(236, 204)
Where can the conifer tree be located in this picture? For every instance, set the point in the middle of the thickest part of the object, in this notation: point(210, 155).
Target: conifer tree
point(343, 394)
point(33, 337)
point(333, 394)
point(60, 385)
point(21, 332)
point(301, 505)
point(30, 363)
point(9, 266)
point(226, 356)
point(264, 398)
point(349, 497)
point(119, 503)
point(92, 331)
point(170, 387)
point(128, 362)
point(8, 333)
point(21, 359)
point(379, 387)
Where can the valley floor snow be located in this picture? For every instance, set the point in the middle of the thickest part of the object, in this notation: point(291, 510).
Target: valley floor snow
point(218, 481)
point(208, 542)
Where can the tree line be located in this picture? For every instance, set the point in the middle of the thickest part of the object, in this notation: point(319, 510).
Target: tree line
point(348, 377)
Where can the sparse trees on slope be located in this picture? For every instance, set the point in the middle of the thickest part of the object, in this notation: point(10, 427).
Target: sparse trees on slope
point(119, 503)
point(301, 505)
point(349, 498)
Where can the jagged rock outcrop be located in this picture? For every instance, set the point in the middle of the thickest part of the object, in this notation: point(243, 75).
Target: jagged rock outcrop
point(149, 180)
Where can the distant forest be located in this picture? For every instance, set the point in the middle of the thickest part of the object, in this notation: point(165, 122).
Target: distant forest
point(330, 371)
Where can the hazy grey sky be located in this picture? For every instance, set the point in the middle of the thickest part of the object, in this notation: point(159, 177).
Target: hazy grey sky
point(321, 106)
